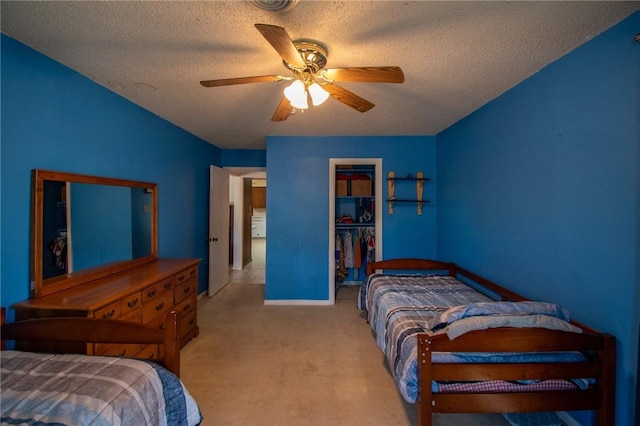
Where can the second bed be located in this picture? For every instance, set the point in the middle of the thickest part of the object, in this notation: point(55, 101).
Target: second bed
point(457, 343)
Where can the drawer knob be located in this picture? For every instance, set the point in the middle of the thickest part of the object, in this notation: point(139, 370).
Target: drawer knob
point(160, 306)
point(133, 303)
point(152, 293)
point(186, 308)
point(187, 290)
point(109, 314)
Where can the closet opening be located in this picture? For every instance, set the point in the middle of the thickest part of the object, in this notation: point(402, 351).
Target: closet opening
point(355, 217)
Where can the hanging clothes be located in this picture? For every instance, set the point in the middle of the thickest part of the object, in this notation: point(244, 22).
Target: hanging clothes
point(371, 249)
point(357, 255)
point(347, 246)
point(341, 270)
point(59, 248)
point(357, 251)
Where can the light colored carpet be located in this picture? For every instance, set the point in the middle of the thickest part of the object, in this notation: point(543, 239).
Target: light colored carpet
point(258, 365)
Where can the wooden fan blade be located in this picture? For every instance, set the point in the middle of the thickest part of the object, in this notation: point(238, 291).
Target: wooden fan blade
point(364, 74)
point(241, 80)
point(347, 97)
point(283, 111)
point(280, 40)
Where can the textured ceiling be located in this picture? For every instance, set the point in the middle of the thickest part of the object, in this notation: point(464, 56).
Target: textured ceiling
point(456, 57)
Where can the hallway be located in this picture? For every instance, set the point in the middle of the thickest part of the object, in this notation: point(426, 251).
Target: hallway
point(254, 272)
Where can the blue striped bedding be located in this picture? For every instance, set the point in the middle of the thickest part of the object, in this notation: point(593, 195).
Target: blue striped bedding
point(401, 306)
point(55, 389)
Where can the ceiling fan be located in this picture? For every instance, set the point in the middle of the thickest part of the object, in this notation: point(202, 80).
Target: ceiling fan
point(306, 60)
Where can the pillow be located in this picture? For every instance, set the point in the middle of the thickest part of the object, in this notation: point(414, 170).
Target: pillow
point(499, 308)
point(464, 325)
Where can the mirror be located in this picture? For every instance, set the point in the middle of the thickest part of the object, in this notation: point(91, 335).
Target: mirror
point(85, 227)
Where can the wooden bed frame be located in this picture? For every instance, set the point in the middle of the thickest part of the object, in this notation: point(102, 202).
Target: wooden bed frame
point(600, 349)
point(89, 330)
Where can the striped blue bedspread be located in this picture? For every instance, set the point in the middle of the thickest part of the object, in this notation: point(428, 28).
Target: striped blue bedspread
point(401, 306)
point(50, 389)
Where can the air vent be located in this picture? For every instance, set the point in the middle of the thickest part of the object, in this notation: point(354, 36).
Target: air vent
point(275, 5)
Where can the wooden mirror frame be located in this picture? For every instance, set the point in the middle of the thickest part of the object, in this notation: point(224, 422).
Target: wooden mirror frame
point(42, 287)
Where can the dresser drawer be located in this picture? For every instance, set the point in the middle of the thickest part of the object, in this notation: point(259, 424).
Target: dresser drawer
point(187, 323)
point(156, 307)
point(148, 352)
point(185, 275)
point(134, 315)
point(156, 290)
point(156, 322)
point(187, 305)
point(129, 350)
point(131, 302)
point(111, 311)
point(185, 290)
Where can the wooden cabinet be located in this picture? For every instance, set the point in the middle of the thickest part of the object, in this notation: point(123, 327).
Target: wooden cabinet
point(259, 197)
point(143, 294)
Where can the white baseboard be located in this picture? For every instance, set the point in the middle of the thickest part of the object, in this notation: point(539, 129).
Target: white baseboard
point(291, 302)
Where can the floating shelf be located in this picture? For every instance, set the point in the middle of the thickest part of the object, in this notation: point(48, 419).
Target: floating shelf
point(419, 179)
point(409, 178)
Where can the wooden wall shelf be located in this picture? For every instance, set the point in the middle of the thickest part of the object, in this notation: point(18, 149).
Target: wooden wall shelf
point(419, 179)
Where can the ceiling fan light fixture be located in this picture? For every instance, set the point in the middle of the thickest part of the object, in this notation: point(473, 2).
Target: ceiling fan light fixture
point(296, 93)
point(318, 94)
point(275, 5)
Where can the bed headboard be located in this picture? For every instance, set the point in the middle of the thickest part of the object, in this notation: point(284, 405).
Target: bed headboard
point(89, 330)
point(415, 264)
point(411, 264)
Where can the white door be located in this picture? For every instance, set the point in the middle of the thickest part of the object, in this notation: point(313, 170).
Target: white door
point(218, 229)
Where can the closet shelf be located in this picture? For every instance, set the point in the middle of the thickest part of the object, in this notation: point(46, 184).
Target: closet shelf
point(409, 178)
point(354, 225)
point(357, 168)
point(419, 179)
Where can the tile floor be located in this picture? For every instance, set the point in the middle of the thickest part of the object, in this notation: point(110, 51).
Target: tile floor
point(253, 273)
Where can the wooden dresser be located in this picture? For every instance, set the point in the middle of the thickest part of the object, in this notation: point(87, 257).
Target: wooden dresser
point(143, 294)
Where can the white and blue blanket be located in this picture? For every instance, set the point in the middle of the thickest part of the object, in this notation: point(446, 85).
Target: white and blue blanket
point(55, 389)
point(401, 306)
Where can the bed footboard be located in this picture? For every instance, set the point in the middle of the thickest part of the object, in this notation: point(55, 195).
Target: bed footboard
point(89, 330)
point(599, 364)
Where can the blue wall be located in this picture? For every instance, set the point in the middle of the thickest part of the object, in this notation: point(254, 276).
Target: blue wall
point(244, 158)
point(54, 118)
point(298, 205)
point(541, 184)
point(539, 191)
point(101, 218)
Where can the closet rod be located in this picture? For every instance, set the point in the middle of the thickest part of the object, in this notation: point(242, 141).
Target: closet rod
point(353, 227)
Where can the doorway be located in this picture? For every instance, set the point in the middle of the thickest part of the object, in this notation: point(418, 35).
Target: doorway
point(249, 236)
point(258, 223)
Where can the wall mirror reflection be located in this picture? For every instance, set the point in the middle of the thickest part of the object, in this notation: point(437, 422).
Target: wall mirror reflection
point(85, 226)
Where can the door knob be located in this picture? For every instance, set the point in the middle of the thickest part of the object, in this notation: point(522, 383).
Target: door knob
point(213, 240)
